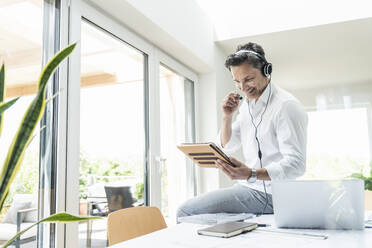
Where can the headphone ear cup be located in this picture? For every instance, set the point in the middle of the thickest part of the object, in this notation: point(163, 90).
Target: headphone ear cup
point(267, 69)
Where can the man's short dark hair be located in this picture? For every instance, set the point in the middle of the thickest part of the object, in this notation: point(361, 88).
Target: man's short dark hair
point(238, 59)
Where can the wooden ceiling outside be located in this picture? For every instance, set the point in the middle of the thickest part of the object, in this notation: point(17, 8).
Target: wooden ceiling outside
point(25, 57)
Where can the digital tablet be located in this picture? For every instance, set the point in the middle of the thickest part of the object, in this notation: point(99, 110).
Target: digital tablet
point(204, 154)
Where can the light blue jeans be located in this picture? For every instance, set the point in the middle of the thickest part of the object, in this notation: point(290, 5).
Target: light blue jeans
point(235, 199)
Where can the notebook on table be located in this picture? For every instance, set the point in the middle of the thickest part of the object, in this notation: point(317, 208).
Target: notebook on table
point(204, 154)
point(228, 229)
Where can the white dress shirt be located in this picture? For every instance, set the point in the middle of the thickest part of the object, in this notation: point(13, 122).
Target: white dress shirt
point(282, 136)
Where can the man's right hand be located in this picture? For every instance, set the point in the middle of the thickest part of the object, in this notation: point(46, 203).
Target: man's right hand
point(230, 104)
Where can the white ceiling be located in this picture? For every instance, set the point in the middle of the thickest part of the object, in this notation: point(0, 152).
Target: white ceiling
point(319, 56)
point(304, 53)
point(240, 18)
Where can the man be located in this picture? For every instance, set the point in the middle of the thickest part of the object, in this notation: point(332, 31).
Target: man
point(271, 129)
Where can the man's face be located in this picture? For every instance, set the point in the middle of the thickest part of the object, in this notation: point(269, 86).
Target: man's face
point(249, 80)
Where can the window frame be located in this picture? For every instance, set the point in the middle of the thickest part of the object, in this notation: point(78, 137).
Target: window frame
point(68, 184)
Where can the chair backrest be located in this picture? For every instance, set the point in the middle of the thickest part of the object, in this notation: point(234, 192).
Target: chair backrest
point(129, 223)
point(118, 197)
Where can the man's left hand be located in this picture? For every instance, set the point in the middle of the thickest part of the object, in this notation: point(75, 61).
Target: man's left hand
point(241, 171)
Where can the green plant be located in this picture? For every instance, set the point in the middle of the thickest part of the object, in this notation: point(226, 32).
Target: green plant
point(139, 191)
point(24, 134)
point(100, 167)
point(367, 180)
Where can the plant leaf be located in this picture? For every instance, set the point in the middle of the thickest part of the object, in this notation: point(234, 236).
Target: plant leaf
point(62, 217)
point(2, 83)
point(2, 203)
point(53, 64)
point(4, 106)
point(66, 218)
point(368, 184)
point(357, 175)
point(2, 93)
point(30, 119)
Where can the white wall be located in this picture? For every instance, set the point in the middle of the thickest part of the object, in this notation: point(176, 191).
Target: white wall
point(177, 27)
point(184, 21)
point(207, 126)
point(359, 92)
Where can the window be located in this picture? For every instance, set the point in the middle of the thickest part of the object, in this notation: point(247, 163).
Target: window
point(114, 119)
point(339, 130)
point(21, 51)
point(112, 133)
point(338, 143)
point(176, 126)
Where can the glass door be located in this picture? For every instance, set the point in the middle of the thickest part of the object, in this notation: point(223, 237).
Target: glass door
point(176, 126)
point(117, 128)
point(112, 132)
point(21, 32)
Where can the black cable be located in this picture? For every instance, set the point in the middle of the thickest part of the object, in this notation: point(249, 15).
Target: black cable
point(258, 143)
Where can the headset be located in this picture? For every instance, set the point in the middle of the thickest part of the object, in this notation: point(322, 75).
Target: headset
point(267, 67)
point(266, 71)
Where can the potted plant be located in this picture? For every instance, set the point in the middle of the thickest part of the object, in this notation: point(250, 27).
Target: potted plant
point(24, 134)
point(367, 186)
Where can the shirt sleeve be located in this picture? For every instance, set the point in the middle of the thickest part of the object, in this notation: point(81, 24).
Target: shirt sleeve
point(235, 142)
point(291, 130)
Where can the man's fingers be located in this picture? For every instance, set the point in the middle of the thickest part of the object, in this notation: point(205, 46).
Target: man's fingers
point(231, 101)
point(233, 173)
point(231, 105)
point(236, 162)
point(226, 166)
point(239, 172)
point(232, 96)
point(220, 166)
point(226, 172)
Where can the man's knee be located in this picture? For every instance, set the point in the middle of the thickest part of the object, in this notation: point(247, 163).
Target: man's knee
point(183, 210)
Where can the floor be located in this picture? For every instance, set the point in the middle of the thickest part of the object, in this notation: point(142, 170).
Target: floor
point(98, 237)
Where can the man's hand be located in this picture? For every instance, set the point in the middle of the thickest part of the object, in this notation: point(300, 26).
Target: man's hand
point(230, 104)
point(241, 171)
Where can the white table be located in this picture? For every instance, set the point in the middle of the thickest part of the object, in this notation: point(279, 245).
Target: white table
point(185, 236)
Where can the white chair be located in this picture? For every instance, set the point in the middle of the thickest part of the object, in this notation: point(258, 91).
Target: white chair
point(21, 214)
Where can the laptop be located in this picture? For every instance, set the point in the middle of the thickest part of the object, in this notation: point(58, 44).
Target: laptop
point(319, 204)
